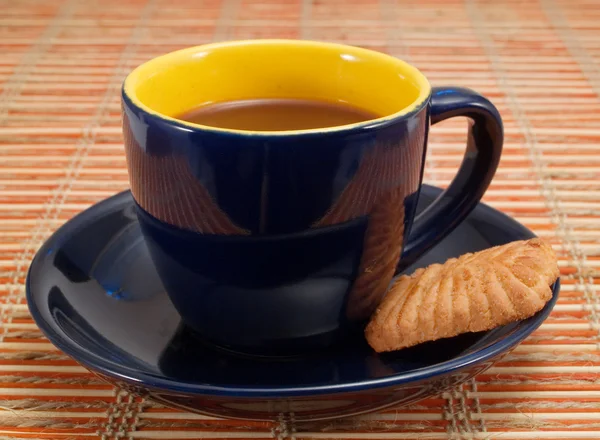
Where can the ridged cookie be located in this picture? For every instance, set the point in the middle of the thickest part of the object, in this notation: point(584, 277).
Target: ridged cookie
point(472, 293)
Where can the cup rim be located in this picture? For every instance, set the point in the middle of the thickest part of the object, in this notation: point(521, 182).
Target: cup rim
point(131, 100)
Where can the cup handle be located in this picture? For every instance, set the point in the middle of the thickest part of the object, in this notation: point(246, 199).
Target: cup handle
point(484, 147)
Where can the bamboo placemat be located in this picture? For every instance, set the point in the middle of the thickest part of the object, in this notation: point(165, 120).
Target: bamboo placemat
point(61, 66)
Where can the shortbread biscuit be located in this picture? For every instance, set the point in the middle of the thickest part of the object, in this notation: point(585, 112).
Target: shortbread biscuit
point(472, 293)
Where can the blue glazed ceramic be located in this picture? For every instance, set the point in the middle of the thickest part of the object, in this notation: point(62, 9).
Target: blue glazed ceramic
point(284, 242)
point(93, 290)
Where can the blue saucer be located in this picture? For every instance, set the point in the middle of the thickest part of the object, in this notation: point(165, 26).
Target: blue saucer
point(94, 292)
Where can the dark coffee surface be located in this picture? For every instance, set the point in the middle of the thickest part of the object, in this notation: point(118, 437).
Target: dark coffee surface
point(277, 114)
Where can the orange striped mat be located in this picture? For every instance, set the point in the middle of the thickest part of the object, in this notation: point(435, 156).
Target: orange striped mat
point(61, 65)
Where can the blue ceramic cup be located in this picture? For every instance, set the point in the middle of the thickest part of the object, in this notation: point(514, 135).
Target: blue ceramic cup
point(281, 242)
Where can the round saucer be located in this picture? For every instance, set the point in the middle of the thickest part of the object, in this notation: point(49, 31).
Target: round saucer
point(93, 291)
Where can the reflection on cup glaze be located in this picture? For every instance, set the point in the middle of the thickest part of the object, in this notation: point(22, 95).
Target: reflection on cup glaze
point(182, 201)
point(378, 189)
point(381, 172)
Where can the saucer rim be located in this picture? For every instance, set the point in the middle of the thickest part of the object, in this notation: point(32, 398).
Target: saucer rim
point(99, 365)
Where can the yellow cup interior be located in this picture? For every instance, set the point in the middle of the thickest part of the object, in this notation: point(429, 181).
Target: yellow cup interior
point(180, 81)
